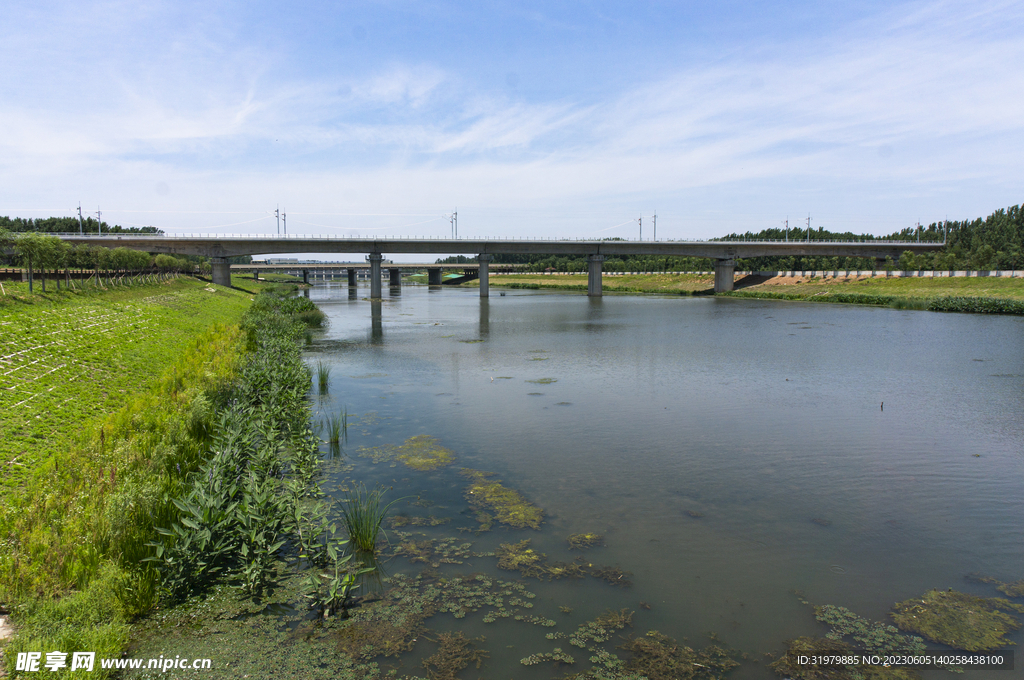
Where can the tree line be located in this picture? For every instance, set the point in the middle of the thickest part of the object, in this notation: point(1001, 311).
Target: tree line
point(995, 242)
point(44, 254)
point(69, 225)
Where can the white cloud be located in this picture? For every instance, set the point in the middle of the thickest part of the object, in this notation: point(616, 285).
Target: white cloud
point(913, 105)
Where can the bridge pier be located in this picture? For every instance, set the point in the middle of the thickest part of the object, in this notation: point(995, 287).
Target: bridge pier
point(725, 270)
point(434, 276)
point(305, 276)
point(375, 259)
point(351, 277)
point(594, 275)
point(220, 271)
point(255, 274)
point(485, 261)
point(395, 277)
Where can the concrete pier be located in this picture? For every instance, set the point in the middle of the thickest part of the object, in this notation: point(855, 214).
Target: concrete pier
point(485, 261)
point(305, 276)
point(220, 271)
point(351, 277)
point(375, 259)
point(394, 277)
point(434, 276)
point(594, 275)
point(725, 271)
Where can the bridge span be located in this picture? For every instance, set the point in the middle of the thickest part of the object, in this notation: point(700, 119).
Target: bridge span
point(220, 247)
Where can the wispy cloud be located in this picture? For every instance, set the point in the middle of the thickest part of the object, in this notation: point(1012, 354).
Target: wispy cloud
point(917, 101)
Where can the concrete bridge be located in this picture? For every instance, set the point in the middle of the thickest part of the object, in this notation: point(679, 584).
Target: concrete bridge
point(362, 270)
point(220, 247)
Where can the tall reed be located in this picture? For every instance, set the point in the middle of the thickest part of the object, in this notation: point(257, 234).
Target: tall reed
point(363, 514)
point(323, 376)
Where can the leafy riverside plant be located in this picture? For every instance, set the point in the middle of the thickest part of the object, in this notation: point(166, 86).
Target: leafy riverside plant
point(256, 492)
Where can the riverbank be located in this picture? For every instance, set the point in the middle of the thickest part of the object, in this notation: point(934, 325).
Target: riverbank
point(110, 398)
point(1003, 295)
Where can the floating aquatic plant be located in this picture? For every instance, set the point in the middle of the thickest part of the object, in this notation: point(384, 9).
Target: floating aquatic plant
point(659, 657)
point(518, 556)
point(873, 636)
point(455, 652)
point(417, 521)
point(557, 656)
point(959, 620)
point(1015, 589)
point(507, 505)
point(543, 381)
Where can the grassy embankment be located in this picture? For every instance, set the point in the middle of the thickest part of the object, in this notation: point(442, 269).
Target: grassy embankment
point(107, 401)
point(679, 284)
point(981, 294)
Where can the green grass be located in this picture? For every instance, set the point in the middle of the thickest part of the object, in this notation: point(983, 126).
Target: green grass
point(923, 287)
point(678, 284)
point(70, 359)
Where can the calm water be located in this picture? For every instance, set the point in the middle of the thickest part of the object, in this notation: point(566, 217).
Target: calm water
point(765, 418)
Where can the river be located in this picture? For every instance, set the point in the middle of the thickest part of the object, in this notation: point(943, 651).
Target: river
point(744, 459)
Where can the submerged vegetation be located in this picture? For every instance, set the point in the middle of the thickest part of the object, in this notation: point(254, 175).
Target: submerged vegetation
point(586, 540)
point(421, 452)
point(506, 505)
point(959, 620)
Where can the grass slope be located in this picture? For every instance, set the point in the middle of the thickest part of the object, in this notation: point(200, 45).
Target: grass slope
point(66, 359)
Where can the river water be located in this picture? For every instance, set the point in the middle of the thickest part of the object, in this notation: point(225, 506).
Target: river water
point(742, 458)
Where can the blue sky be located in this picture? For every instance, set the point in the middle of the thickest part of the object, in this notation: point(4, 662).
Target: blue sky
point(532, 119)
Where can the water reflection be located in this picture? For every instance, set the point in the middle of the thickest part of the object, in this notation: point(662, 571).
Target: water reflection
point(485, 318)
point(376, 323)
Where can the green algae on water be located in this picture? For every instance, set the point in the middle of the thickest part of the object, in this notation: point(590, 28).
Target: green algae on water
point(1015, 589)
point(421, 452)
point(518, 556)
point(586, 540)
point(507, 505)
point(962, 621)
point(543, 381)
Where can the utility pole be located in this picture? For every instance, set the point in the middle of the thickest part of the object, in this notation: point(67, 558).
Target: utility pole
point(808, 228)
point(456, 216)
point(80, 228)
point(99, 221)
point(787, 230)
point(284, 215)
point(919, 231)
point(655, 225)
point(277, 214)
point(641, 222)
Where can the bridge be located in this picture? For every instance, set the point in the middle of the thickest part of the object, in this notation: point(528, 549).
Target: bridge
point(219, 247)
point(362, 270)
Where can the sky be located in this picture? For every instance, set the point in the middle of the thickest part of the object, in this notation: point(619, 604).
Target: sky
point(530, 119)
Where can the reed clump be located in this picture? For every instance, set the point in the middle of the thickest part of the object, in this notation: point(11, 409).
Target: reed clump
point(323, 377)
point(363, 513)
